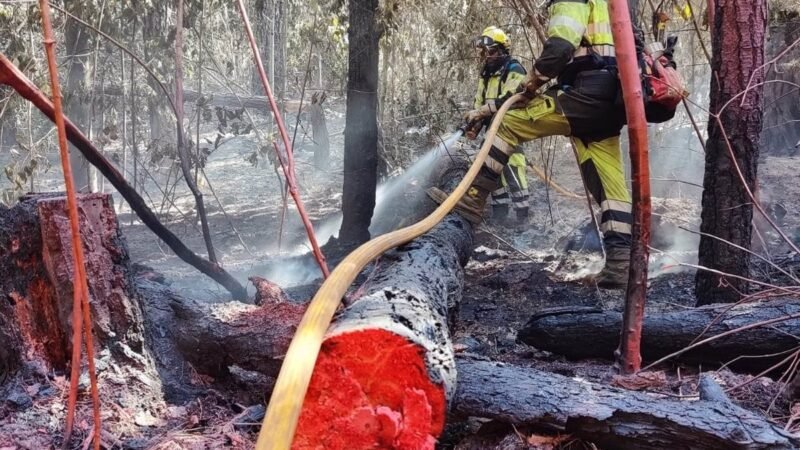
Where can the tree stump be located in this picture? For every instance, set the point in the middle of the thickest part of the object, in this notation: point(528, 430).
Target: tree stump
point(37, 274)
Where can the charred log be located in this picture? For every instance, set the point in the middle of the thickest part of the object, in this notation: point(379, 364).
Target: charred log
point(592, 333)
point(386, 370)
point(608, 416)
point(387, 357)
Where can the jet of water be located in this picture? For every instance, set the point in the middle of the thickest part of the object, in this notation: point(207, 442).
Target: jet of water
point(391, 188)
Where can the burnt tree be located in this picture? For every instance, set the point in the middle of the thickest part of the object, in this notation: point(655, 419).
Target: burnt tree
point(738, 54)
point(361, 126)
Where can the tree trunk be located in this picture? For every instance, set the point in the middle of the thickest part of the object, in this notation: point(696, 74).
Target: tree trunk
point(322, 146)
point(579, 333)
point(153, 29)
point(184, 152)
point(361, 128)
point(607, 416)
point(738, 53)
point(76, 95)
point(257, 102)
point(389, 353)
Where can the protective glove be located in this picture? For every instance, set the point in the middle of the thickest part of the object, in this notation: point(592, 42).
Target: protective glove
point(476, 115)
point(531, 84)
point(473, 130)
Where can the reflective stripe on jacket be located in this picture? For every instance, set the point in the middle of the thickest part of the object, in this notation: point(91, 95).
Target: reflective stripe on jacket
point(578, 32)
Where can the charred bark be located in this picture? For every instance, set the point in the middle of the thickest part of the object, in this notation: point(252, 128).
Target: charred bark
point(361, 127)
point(608, 416)
point(592, 333)
point(738, 54)
point(390, 350)
point(37, 272)
point(11, 76)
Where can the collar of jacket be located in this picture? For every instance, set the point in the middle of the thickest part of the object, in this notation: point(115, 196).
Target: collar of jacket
point(495, 67)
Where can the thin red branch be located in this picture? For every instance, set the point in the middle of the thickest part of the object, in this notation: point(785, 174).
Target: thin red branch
point(288, 169)
point(80, 289)
point(628, 354)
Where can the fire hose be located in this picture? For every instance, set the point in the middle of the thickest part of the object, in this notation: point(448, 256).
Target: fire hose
point(286, 402)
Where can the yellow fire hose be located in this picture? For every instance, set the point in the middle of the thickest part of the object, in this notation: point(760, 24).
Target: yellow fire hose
point(283, 411)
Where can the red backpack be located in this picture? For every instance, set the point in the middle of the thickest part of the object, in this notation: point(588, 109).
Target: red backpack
point(663, 86)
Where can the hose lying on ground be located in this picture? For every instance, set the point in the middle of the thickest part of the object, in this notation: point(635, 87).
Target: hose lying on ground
point(542, 176)
point(286, 402)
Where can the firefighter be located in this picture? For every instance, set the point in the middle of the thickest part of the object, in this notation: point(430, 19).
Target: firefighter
point(500, 77)
point(584, 105)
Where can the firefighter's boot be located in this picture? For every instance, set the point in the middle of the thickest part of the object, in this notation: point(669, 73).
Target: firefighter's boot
point(470, 206)
point(615, 271)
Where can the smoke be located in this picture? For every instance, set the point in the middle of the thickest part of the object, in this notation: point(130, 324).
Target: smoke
point(305, 270)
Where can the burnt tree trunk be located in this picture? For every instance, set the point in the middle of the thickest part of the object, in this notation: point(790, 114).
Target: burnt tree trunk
point(36, 276)
point(738, 53)
point(184, 152)
point(154, 29)
point(608, 416)
point(389, 354)
point(591, 333)
point(270, 32)
point(361, 126)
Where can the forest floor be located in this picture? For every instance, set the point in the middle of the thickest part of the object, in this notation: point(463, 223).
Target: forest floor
point(515, 271)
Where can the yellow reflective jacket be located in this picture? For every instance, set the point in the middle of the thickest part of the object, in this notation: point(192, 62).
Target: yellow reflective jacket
point(578, 32)
point(494, 88)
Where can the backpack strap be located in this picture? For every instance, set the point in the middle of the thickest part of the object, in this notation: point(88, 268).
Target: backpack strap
point(507, 68)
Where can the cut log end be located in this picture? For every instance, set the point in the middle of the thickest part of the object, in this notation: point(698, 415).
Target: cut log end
point(371, 389)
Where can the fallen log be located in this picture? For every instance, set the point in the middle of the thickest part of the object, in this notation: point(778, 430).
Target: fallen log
point(11, 76)
point(385, 372)
point(608, 416)
point(593, 333)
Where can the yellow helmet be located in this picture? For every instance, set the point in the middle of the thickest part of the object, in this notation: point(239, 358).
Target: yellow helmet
point(492, 36)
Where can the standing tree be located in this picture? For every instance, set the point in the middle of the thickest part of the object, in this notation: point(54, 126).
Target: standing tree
point(738, 35)
point(77, 108)
point(361, 127)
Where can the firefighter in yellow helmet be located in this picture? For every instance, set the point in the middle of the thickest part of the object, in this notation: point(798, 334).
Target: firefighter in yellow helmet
point(501, 76)
point(583, 104)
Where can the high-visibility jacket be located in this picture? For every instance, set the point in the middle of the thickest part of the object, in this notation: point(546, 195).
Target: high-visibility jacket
point(578, 39)
point(495, 87)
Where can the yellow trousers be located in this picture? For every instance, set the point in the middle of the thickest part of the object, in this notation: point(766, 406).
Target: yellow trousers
point(600, 161)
